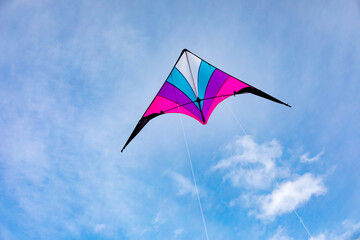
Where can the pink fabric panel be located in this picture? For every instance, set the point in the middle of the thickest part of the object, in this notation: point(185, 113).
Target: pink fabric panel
point(231, 85)
point(184, 111)
point(160, 104)
point(213, 105)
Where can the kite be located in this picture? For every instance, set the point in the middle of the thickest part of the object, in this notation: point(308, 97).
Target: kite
point(194, 87)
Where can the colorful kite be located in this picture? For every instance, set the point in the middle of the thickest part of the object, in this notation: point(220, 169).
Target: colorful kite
point(194, 87)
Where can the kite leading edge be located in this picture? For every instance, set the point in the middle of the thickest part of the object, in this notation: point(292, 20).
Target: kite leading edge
point(194, 87)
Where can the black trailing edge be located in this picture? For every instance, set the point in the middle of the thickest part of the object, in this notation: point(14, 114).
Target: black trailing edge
point(140, 125)
point(260, 93)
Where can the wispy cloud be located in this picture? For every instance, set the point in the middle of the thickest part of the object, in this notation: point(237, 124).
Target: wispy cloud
point(158, 220)
point(184, 185)
point(178, 232)
point(100, 227)
point(321, 236)
point(252, 165)
point(306, 159)
point(289, 195)
point(280, 234)
point(351, 231)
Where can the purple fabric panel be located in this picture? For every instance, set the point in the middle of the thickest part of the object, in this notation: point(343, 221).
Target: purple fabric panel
point(174, 94)
point(216, 81)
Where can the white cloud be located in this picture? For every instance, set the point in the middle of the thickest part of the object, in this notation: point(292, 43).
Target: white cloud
point(256, 167)
point(351, 232)
point(306, 159)
point(100, 227)
point(178, 232)
point(183, 184)
point(252, 165)
point(289, 195)
point(158, 220)
point(321, 236)
point(280, 235)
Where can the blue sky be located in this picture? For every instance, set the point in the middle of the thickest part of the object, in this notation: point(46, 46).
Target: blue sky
point(75, 77)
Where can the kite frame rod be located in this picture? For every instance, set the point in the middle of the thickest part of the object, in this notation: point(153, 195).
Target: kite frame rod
point(225, 95)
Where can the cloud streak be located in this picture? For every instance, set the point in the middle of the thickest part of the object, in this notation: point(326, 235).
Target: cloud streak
point(350, 231)
point(252, 165)
point(184, 185)
point(306, 159)
point(289, 195)
point(280, 235)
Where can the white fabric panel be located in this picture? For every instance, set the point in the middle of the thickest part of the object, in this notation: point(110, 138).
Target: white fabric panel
point(194, 65)
point(183, 67)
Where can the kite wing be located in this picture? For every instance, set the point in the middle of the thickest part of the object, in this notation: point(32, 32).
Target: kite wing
point(194, 87)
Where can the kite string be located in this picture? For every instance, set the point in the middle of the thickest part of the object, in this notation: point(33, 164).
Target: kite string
point(277, 183)
point(194, 179)
point(191, 166)
point(236, 119)
point(301, 221)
